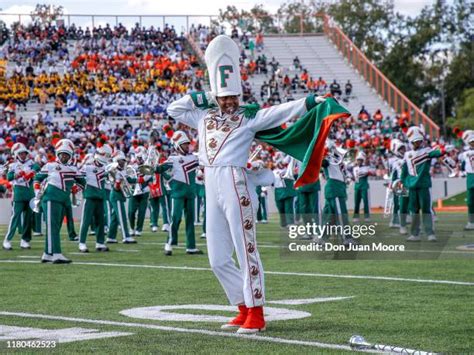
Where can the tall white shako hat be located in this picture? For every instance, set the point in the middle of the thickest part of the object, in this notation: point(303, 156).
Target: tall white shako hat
point(222, 60)
point(415, 133)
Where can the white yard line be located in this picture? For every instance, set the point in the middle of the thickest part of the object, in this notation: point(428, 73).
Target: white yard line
point(184, 330)
point(271, 245)
point(296, 302)
point(282, 273)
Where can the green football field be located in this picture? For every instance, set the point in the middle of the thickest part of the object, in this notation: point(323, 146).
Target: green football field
point(419, 304)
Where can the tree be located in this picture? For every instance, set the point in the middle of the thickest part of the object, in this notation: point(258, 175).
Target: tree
point(46, 14)
point(364, 21)
point(464, 116)
point(297, 16)
point(248, 21)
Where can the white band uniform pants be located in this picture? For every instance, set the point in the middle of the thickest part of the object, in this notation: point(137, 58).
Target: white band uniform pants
point(231, 208)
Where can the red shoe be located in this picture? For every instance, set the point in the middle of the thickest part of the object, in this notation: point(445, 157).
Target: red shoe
point(239, 320)
point(254, 323)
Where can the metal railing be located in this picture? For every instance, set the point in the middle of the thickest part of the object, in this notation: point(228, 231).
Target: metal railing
point(180, 22)
point(384, 87)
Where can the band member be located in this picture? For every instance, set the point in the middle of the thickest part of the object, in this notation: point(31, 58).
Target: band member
point(183, 192)
point(335, 194)
point(138, 202)
point(158, 197)
point(226, 132)
point(308, 201)
point(62, 179)
point(94, 195)
point(40, 159)
point(121, 181)
point(467, 165)
point(400, 199)
point(416, 174)
point(361, 174)
point(285, 192)
point(261, 191)
point(107, 205)
point(71, 229)
point(21, 173)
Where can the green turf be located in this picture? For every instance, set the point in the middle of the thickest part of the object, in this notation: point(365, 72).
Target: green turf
point(426, 316)
point(456, 200)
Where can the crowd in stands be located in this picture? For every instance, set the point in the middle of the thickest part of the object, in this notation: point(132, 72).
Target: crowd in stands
point(142, 68)
point(109, 72)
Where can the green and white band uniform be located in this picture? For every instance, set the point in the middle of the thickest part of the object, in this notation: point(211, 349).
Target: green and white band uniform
point(200, 201)
point(21, 175)
point(467, 165)
point(361, 190)
point(416, 176)
point(335, 194)
point(308, 201)
point(183, 194)
point(94, 195)
point(284, 196)
point(262, 214)
point(138, 202)
point(60, 180)
point(117, 201)
point(158, 198)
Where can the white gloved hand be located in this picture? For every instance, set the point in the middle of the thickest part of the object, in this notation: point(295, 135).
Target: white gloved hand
point(449, 148)
point(211, 99)
point(319, 99)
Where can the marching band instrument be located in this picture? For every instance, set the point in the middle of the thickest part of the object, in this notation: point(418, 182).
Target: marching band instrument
point(400, 190)
point(255, 153)
point(151, 162)
point(357, 342)
point(388, 205)
point(450, 164)
point(131, 172)
point(289, 169)
point(337, 155)
point(4, 169)
point(112, 170)
point(35, 202)
point(75, 200)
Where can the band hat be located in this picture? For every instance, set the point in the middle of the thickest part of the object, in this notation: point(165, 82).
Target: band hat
point(222, 60)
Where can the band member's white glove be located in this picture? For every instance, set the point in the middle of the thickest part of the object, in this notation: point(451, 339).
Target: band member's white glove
point(449, 148)
point(211, 99)
point(319, 99)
